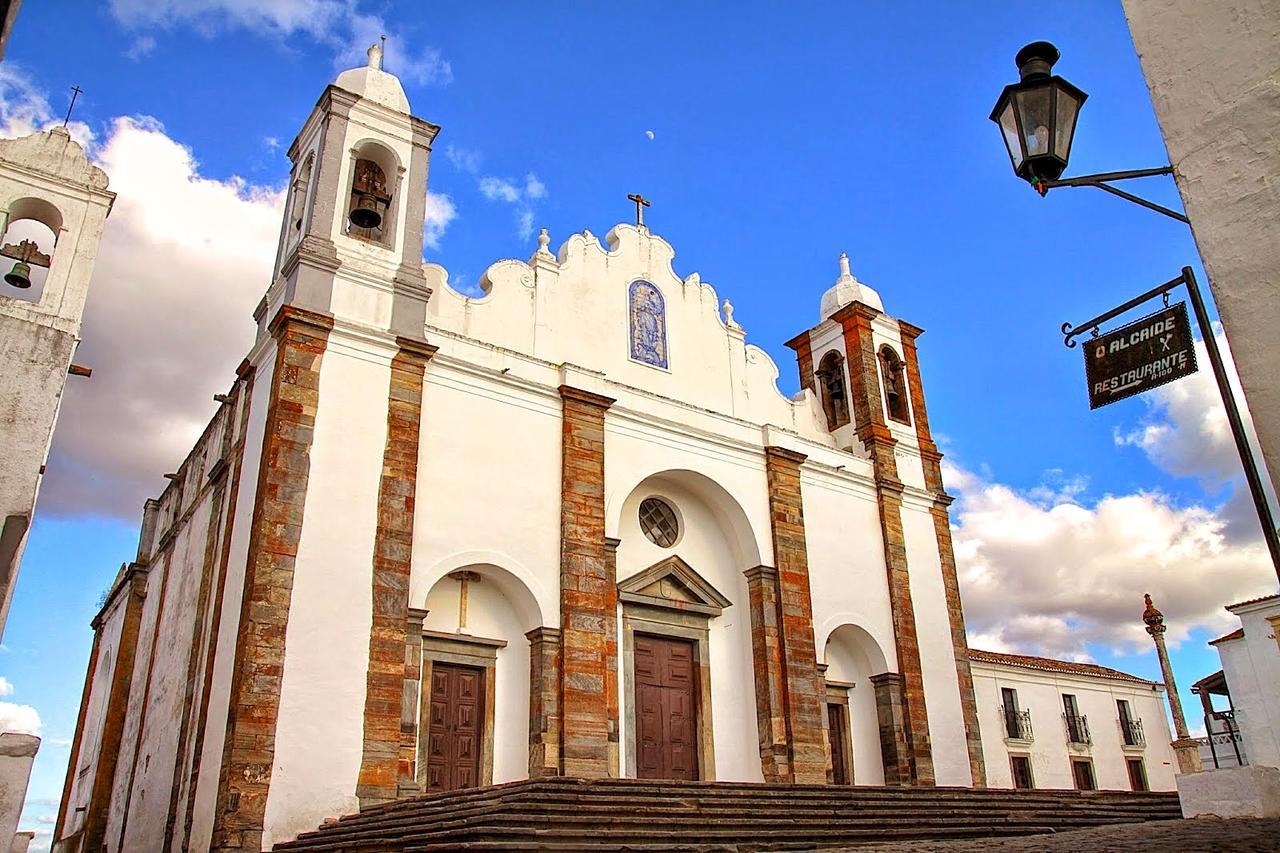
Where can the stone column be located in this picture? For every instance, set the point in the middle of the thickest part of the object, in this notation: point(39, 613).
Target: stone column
point(869, 425)
point(611, 651)
point(931, 461)
point(766, 658)
point(409, 703)
point(380, 766)
point(544, 702)
point(254, 706)
point(804, 691)
point(1184, 747)
point(585, 591)
point(891, 716)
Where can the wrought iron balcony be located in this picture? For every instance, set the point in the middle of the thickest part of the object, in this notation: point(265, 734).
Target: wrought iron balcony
point(1131, 731)
point(1017, 724)
point(1077, 728)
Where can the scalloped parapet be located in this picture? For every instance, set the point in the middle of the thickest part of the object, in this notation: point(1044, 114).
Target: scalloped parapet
point(581, 306)
point(54, 153)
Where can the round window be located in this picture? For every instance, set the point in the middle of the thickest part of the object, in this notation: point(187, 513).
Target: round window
point(659, 523)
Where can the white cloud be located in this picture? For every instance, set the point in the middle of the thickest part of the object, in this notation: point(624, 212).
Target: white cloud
point(6, 686)
point(520, 194)
point(24, 109)
point(338, 24)
point(1043, 571)
point(182, 263)
point(440, 212)
point(499, 189)
point(23, 719)
point(141, 48)
point(463, 159)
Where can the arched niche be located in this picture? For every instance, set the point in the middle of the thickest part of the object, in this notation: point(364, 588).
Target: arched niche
point(894, 379)
point(31, 234)
point(373, 183)
point(474, 622)
point(834, 389)
point(851, 658)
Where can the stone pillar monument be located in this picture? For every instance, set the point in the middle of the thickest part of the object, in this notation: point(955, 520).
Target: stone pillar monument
point(1185, 747)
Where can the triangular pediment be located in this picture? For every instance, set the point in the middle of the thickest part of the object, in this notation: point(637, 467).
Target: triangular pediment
point(672, 583)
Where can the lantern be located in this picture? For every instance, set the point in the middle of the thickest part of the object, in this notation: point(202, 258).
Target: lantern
point(1037, 115)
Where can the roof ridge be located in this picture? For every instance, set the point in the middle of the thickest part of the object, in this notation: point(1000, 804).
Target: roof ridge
point(1048, 664)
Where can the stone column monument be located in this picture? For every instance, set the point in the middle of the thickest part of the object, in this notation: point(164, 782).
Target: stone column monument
point(1185, 747)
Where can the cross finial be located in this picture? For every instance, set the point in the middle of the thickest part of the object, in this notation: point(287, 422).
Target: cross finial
point(76, 92)
point(641, 204)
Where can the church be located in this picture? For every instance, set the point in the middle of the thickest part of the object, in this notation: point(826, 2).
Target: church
point(568, 528)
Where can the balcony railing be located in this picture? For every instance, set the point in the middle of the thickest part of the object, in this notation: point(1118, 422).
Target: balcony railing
point(1017, 724)
point(1131, 731)
point(1077, 728)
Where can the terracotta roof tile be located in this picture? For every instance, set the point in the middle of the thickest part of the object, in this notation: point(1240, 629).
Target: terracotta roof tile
point(1051, 665)
point(1254, 601)
point(1234, 635)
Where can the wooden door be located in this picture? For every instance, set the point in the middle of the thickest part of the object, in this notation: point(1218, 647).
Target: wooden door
point(666, 709)
point(838, 729)
point(1137, 774)
point(1082, 772)
point(455, 727)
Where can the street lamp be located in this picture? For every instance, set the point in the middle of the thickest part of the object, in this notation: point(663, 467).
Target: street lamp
point(1037, 118)
point(1037, 115)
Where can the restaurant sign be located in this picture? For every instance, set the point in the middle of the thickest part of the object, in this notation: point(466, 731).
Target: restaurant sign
point(1140, 356)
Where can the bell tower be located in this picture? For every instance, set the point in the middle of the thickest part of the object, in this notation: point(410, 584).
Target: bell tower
point(53, 204)
point(351, 241)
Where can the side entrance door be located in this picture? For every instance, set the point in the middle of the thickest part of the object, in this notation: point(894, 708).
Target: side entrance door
point(454, 728)
point(838, 730)
point(666, 711)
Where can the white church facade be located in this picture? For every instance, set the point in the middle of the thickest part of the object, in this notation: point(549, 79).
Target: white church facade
point(570, 527)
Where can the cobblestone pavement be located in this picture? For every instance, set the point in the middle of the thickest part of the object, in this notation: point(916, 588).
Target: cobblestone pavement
point(1201, 835)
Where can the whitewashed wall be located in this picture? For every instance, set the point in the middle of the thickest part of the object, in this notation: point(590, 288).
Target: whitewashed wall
point(1252, 667)
point(1041, 693)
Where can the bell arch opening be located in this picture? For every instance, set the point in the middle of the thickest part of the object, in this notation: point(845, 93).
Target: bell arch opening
point(895, 385)
point(835, 395)
point(371, 193)
point(30, 237)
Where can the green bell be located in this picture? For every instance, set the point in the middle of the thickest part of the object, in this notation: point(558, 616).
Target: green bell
point(20, 275)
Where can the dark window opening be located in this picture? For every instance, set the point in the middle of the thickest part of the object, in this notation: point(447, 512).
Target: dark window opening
point(1082, 773)
point(1137, 774)
point(835, 399)
point(895, 386)
point(1021, 766)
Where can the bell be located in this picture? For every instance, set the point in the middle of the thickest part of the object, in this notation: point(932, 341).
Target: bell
point(19, 276)
point(365, 214)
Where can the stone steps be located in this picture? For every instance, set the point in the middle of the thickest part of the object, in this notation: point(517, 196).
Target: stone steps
point(626, 814)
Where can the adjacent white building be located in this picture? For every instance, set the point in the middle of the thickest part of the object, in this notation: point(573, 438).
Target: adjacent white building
point(1251, 670)
point(1059, 724)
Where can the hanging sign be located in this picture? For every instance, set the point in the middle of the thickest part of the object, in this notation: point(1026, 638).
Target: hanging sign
point(1140, 356)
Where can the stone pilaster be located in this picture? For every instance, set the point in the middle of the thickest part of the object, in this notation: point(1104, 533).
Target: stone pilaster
point(410, 698)
point(766, 659)
point(869, 424)
point(804, 691)
point(249, 751)
point(134, 586)
point(892, 719)
point(380, 770)
point(611, 651)
point(544, 702)
point(803, 347)
point(931, 461)
point(73, 766)
point(587, 725)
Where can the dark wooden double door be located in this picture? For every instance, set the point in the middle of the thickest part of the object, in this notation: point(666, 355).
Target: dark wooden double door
point(666, 708)
point(455, 727)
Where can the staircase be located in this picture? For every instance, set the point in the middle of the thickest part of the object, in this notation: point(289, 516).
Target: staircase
point(564, 814)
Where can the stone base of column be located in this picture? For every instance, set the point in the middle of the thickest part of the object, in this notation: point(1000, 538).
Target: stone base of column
point(1187, 751)
point(893, 728)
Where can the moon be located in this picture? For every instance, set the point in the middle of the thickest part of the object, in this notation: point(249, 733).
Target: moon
point(649, 133)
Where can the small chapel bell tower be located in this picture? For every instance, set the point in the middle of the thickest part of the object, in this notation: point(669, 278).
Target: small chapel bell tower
point(355, 207)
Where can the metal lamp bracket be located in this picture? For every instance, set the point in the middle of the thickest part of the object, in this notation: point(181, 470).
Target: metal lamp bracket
point(1101, 181)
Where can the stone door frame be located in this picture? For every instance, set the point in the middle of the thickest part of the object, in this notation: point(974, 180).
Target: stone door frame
point(837, 693)
point(463, 650)
point(644, 612)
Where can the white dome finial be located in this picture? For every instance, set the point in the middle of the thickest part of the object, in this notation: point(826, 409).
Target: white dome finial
point(375, 56)
point(844, 266)
point(848, 289)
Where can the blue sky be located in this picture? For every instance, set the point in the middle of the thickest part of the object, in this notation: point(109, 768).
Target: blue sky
point(780, 136)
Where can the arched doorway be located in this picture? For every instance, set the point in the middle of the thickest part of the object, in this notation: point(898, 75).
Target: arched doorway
point(852, 657)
